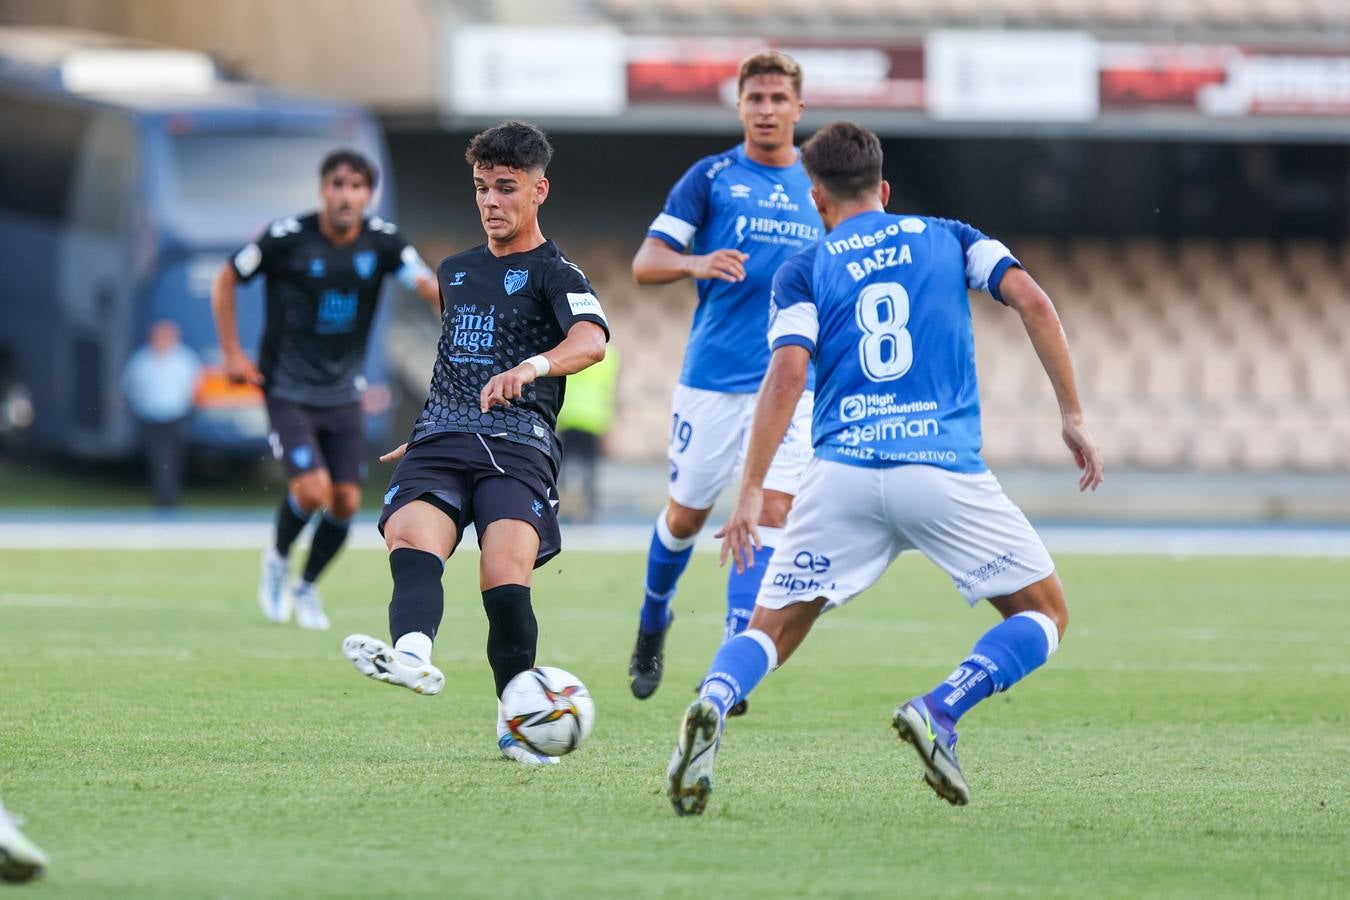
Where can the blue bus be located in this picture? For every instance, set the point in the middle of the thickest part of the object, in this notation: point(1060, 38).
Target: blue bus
point(127, 176)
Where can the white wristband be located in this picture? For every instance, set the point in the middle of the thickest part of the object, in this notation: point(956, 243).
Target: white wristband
point(540, 364)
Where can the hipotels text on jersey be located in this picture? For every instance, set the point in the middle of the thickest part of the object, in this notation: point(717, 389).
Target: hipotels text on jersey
point(775, 231)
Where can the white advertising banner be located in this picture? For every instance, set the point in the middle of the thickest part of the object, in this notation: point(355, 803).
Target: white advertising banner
point(1011, 76)
point(537, 71)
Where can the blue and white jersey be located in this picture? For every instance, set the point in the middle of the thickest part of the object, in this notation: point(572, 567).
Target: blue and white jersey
point(881, 304)
point(730, 202)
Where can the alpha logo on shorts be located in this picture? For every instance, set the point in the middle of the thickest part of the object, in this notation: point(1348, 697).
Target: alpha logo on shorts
point(302, 457)
point(815, 563)
point(538, 507)
point(389, 495)
point(364, 263)
point(515, 280)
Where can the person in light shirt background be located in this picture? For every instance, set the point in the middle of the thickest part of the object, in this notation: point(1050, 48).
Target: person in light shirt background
point(159, 381)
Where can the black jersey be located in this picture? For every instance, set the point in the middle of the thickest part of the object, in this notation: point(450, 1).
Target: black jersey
point(497, 312)
point(321, 301)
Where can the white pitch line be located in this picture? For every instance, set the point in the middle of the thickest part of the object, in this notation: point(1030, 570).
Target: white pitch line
point(192, 533)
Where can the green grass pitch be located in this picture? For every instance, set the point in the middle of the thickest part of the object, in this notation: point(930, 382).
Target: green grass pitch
point(1190, 738)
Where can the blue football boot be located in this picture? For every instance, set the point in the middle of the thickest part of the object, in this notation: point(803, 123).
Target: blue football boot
point(936, 746)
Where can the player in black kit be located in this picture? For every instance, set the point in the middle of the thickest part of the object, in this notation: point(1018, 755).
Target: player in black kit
point(324, 272)
point(518, 316)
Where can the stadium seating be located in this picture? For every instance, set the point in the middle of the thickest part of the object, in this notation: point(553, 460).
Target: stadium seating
point(1238, 15)
point(1197, 354)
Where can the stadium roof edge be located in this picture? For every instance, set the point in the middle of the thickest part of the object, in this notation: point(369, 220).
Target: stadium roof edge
point(1156, 126)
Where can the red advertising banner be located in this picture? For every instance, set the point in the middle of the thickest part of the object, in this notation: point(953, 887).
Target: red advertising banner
point(1224, 80)
point(697, 71)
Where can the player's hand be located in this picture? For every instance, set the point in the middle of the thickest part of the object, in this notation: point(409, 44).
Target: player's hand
point(740, 536)
point(1085, 453)
point(725, 265)
point(396, 454)
point(506, 386)
point(239, 369)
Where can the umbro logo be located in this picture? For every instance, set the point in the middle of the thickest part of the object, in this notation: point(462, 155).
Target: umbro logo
point(740, 191)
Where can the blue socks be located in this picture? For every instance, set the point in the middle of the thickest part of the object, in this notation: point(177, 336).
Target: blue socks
point(743, 587)
point(740, 664)
point(666, 560)
point(1003, 656)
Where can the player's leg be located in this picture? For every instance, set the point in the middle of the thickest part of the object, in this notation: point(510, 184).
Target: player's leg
point(342, 444)
point(780, 485)
point(420, 536)
point(836, 544)
point(518, 532)
point(425, 511)
point(970, 529)
point(308, 486)
point(20, 859)
point(312, 492)
point(705, 437)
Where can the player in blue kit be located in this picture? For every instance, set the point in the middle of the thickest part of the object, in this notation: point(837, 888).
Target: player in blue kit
point(880, 306)
point(728, 224)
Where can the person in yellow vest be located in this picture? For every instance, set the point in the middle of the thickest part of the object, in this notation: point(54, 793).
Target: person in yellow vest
point(587, 413)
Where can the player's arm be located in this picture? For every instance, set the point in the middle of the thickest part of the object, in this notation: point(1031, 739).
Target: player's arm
point(656, 262)
point(1020, 291)
point(664, 257)
point(414, 274)
point(778, 396)
point(583, 347)
point(238, 367)
point(428, 289)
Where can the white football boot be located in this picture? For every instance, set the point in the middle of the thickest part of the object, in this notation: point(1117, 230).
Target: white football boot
point(308, 607)
point(689, 776)
point(273, 597)
point(20, 859)
point(516, 749)
point(513, 749)
point(376, 659)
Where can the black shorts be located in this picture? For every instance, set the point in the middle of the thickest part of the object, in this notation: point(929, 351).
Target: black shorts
point(479, 479)
point(306, 438)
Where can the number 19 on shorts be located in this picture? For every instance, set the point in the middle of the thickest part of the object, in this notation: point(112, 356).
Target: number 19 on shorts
point(886, 349)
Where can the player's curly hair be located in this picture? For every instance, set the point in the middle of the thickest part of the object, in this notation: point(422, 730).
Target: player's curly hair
point(516, 145)
point(357, 162)
point(844, 160)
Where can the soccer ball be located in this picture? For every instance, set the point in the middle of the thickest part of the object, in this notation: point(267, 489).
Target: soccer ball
point(548, 710)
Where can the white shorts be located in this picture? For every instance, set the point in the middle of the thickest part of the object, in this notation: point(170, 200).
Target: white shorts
point(848, 523)
point(709, 436)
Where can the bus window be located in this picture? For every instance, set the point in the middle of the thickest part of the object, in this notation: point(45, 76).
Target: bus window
point(103, 182)
point(38, 155)
point(222, 171)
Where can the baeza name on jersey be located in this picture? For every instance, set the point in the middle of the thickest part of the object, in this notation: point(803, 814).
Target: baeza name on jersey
point(880, 257)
